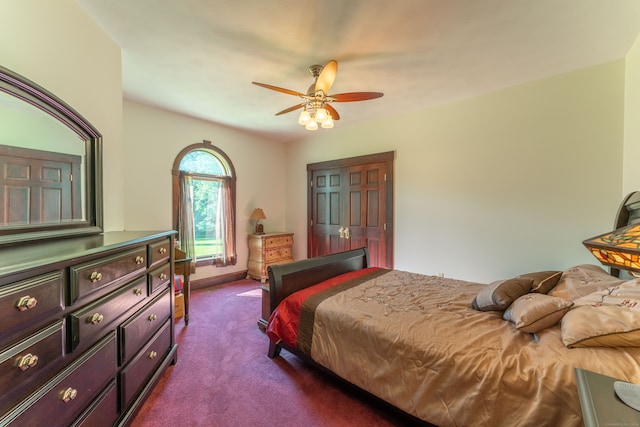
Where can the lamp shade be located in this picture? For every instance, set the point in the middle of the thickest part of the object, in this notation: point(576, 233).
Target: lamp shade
point(619, 248)
point(257, 214)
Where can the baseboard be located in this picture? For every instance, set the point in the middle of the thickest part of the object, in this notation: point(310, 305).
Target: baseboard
point(218, 280)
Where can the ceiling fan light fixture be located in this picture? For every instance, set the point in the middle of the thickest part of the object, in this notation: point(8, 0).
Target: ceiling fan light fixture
point(328, 123)
point(321, 115)
point(304, 118)
point(316, 108)
point(312, 125)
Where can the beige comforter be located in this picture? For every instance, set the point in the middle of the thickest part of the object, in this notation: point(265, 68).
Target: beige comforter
point(413, 341)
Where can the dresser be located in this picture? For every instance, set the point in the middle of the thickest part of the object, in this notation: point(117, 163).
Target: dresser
point(86, 327)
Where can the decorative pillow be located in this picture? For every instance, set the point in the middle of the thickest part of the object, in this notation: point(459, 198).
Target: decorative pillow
point(601, 326)
point(534, 312)
point(543, 281)
point(582, 280)
point(499, 295)
point(626, 294)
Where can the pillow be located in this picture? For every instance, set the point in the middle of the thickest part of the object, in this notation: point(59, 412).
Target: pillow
point(601, 326)
point(499, 295)
point(534, 312)
point(582, 280)
point(626, 294)
point(543, 281)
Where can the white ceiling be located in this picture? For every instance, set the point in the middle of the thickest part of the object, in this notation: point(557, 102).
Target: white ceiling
point(199, 57)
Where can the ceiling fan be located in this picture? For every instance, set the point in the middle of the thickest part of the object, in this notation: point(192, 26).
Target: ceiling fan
point(316, 104)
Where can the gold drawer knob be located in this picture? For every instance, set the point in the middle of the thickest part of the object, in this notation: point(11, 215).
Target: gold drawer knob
point(95, 277)
point(95, 319)
point(26, 302)
point(27, 361)
point(153, 317)
point(137, 291)
point(163, 276)
point(153, 355)
point(163, 251)
point(69, 394)
point(139, 259)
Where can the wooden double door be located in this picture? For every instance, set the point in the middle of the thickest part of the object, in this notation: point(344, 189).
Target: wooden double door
point(351, 206)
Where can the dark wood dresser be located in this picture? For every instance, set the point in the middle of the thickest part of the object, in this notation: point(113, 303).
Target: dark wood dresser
point(85, 327)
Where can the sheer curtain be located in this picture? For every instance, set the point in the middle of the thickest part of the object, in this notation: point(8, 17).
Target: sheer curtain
point(226, 225)
point(224, 217)
point(186, 229)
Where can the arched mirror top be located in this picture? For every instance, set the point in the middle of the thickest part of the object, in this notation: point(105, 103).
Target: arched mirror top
point(50, 165)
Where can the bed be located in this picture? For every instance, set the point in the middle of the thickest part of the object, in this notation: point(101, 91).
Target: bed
point(457, 353)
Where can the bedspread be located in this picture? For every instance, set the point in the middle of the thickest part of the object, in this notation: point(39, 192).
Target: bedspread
point(414, 341)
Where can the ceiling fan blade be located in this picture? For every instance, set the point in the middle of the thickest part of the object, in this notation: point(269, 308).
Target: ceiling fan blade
point(332, 111)
point(356, 96)
point(327, 76)
point(290, 109)
point(279, 89)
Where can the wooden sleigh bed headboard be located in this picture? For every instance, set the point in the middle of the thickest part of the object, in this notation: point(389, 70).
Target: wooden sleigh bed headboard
point(285, 279)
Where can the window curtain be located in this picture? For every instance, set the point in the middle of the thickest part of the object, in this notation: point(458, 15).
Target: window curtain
point(186, 229)
point(226, 225)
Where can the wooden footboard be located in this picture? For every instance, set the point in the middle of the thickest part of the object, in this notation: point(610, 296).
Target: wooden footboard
point(285, 279)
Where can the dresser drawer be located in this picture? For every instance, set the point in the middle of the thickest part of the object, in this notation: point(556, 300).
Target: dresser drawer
point(92, 276)
point(137, 330)
point(103, 412)
point(159, 251)
point(159, 278)
point(136, 373)
point(62, 399)
point(28, 305)
point(277, 254)
point(92, 322)
point(271, 242)
point(30, 363)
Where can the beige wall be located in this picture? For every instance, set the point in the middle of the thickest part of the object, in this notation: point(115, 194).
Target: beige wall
point(56, 45)
point(631, 175)
point(485, 188)
point(153, 139)
point(502, 184)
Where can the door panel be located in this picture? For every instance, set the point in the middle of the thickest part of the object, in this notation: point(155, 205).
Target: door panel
point(357, 200)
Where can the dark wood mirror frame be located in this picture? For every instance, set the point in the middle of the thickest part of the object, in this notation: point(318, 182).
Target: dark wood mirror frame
point(92, 220)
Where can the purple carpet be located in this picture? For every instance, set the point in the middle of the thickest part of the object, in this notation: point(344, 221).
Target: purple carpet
point(224, 378)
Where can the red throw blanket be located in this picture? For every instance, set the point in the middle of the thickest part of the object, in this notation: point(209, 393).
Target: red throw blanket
point(292, 320)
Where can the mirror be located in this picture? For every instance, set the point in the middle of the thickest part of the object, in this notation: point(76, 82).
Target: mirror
point(50, 166)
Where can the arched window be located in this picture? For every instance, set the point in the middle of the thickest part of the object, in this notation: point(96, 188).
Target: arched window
point(204, 204)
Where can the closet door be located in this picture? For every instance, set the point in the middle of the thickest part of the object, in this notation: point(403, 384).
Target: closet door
point(351, 207)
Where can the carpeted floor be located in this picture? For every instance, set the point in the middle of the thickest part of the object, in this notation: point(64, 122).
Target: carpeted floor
point(224, 378)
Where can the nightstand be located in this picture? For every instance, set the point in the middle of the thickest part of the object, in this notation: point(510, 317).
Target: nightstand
point(268, 249)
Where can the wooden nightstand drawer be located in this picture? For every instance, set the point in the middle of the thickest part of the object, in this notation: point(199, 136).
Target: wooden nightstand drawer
point(134, 375)
point(159, 252)
point(91, 323)
point(62, 399)
point(159, 278)
point(271, 242)
point(277, 254)
point(137, 330)
point(92, 276)
point(28, 305)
